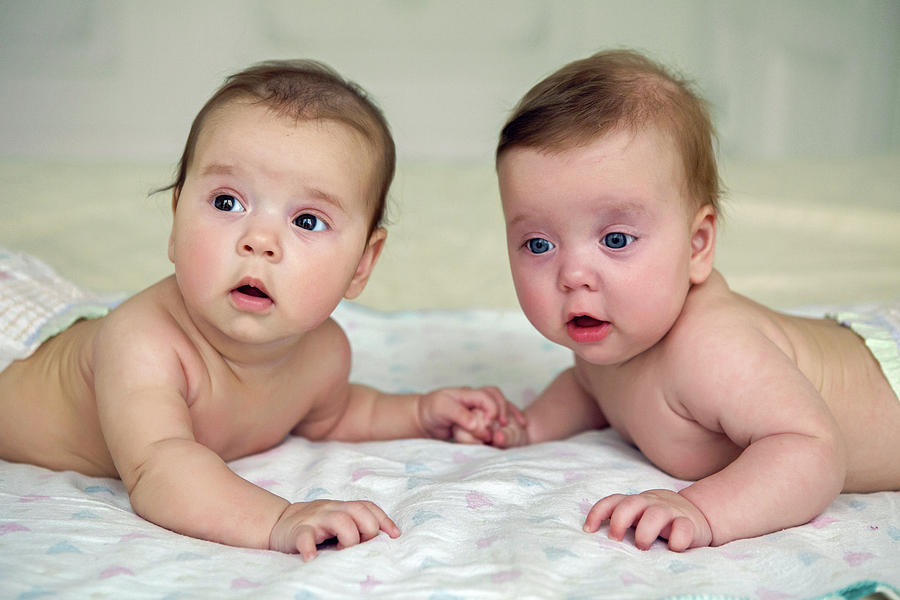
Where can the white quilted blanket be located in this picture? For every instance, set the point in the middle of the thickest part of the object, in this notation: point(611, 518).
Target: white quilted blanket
point(478, 523)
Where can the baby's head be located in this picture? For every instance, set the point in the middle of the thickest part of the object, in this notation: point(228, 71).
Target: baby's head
point(610, 91)
point(304, 90)
point(609, 187)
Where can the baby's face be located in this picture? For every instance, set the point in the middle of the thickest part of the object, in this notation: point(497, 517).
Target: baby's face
point(272, 221)
point(599, 241)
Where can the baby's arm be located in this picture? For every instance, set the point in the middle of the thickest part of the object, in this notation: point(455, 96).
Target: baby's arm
point(354, 412)
point(177, 482)
point(369, 414)
point(791, 467)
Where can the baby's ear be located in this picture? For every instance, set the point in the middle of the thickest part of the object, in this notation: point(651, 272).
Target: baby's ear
point(366, 263)
point(703, 243)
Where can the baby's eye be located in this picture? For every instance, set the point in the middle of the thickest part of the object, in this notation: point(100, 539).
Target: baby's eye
point(539, 245)
point(617, 240)
point(310, 222)
point(227, 203)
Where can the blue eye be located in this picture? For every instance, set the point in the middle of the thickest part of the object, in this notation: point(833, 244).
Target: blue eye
point(227, 203)
point(539, 245)
point(310, 222)
point(617, 240)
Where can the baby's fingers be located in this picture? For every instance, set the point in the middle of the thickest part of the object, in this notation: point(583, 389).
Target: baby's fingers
point(653, 521)
point(345, 528)
point(305, 525)
point(360, 522)
point(509, 436)
point(474, 423)
point(357, 522)
point(501, 406)
point(681, 536)
point(489, 400)
point(375, 520)
point(652, 514)
point(305, 542)
point(601, 511)
point(461, 436)
point(625, 515)
point(507, 408)
point(500, 438)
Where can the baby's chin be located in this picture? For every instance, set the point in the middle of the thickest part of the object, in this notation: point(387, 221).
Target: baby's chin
point(603, 355)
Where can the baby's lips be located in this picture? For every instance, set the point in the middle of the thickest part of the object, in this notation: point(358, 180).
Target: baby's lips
point(586, 321)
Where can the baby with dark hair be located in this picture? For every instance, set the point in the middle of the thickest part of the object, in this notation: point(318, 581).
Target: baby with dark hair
point(277, 204)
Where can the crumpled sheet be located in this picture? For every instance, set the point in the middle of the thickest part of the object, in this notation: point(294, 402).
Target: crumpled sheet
point(478, 523)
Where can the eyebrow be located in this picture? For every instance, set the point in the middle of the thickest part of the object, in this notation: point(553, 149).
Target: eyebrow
point(620, 207)
point(217, 169)
point(615, 207)
point(326, 197)
point(518, 219)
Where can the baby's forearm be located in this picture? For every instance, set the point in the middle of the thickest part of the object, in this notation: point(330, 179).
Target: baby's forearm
point(369, 414)
point(375, 415)
point(187, 488)
point(563, 409)
point(777, 482)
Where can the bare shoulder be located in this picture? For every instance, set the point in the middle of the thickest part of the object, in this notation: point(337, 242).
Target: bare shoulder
point(143, 338)
point(326, 350)
point(146, 316)
point(721, 344)
point(323, 365)
point(712, 315)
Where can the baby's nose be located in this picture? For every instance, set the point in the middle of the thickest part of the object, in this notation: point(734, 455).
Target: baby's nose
point(578, 273)
point(260, 241)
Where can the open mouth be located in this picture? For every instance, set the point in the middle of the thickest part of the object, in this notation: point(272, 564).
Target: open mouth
point(585, 329)
point(586, 321)
point(252, 297)
point(249, 290)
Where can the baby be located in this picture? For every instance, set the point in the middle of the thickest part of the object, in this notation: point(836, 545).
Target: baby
point(609, 189)
point(277, 204)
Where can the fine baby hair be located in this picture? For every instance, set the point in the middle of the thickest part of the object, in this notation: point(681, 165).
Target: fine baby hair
point(612, 89)
point(304, 89)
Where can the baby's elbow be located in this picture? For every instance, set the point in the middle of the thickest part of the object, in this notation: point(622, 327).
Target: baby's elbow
point(831, 456)
point(840, 463)
point(152, 480)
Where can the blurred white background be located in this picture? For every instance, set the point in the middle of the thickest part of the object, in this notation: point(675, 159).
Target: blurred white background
point(122, 79)
point(98, 97)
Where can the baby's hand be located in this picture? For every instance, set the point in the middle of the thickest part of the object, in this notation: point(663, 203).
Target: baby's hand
point(466, 414)
point(462, 435)
point(513, 433)
point(303, 525)
point(653, 514)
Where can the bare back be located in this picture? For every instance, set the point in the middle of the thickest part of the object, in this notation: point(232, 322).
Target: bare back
point(844, 371)
point(49, 417)
point(637, 398)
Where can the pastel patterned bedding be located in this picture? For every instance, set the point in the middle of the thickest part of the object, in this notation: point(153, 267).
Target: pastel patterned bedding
point(478, 523)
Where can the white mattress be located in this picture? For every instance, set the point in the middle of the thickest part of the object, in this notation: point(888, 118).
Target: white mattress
point(477, 522)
